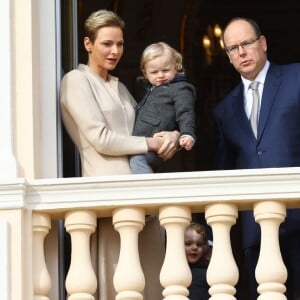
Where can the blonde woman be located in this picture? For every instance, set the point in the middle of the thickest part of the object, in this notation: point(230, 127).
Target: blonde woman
point(98, 113)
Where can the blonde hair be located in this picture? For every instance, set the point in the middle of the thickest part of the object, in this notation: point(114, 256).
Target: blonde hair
point(157, 49)
point(99, 19)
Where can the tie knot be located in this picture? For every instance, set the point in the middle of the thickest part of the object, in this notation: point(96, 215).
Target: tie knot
point(254, 85)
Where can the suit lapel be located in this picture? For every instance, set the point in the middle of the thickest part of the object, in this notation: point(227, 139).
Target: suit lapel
point(242, 122)
point(270, 90)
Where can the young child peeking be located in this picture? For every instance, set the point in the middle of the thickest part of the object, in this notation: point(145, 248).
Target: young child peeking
point(198, 253)
point(168, 103)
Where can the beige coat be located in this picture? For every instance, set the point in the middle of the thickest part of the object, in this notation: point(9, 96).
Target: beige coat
point(99, 117)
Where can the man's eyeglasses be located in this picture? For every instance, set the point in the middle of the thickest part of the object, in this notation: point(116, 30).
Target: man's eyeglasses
point(233, 50)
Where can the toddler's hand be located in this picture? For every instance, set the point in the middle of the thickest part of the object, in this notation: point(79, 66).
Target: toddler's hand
point(186, 142)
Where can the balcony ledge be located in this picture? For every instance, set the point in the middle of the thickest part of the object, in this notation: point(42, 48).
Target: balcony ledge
point(196, 189)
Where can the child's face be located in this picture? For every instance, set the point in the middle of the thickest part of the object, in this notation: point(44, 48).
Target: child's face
point(194, 246)
point(160, 70)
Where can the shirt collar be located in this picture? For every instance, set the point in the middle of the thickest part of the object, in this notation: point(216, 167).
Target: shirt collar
point(260, 77)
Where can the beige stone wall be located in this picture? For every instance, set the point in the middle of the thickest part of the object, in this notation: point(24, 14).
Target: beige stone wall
point(19, 249)
point(25, 90)
point(34, 87)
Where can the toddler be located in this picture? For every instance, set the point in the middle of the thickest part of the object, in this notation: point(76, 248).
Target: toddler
point(198, 252)
point(168, 103)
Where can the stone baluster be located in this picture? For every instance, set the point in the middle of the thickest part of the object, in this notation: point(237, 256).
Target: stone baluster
point(41, 225)
point(175, 275)
point(129, 280)
point(222, 272)
point(81, 281)
point(270, 271)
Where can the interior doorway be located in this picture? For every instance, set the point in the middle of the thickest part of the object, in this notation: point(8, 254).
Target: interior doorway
point(183, 24)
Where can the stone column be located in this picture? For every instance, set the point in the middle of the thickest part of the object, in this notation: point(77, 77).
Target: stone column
point(81, 281)
point(8, 167)
point(270, 271)
point(222, 272)
point(175, 275)
point(129, 280)
point(41, 225)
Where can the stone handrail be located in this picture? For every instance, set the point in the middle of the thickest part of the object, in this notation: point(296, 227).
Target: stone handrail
point(173, 197)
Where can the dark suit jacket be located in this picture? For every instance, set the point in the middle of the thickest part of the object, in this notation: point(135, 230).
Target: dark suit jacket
point(167, 107)
point(278, 137)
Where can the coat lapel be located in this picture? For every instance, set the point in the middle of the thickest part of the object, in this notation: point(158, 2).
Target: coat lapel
point(242, 122)
point(271, 87)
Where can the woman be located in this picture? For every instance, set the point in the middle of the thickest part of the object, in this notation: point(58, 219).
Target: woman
point(98, 113)
point(98, 110)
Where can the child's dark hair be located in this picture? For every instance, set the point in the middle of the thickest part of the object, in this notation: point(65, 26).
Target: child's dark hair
point(199, 229)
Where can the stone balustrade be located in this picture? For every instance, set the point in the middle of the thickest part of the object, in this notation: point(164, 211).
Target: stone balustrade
point(127, 199)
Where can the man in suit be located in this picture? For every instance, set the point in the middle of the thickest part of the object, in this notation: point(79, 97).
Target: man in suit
point(275, 142)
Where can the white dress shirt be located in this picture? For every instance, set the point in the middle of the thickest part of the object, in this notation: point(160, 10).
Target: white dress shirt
point(248, 100)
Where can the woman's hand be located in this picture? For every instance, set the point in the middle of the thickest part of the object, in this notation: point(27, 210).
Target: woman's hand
point(154, 143)
point(169, 145)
